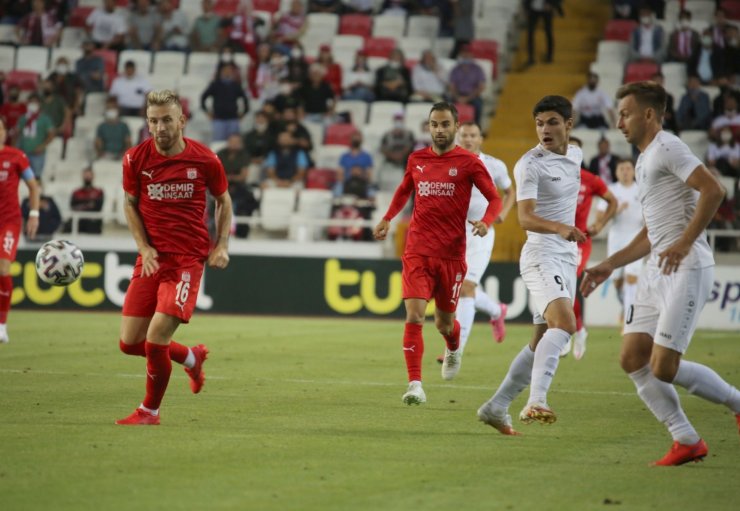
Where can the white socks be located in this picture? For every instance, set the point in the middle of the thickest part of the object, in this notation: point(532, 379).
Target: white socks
point(484, 303)
point(516, 380)
point(702, 381)
point(546, 358)
point(189, 360)
point(465, 316)
point(628, 296)
point(662, 399)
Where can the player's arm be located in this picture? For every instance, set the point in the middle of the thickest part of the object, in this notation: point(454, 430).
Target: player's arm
point(219, 256)
point(638, 248)
point(482, 180)
point(604, 216)
point(149, 264)
point(711, 195)
point(532, 222)
point(508, 203)
point(403, 192)
point(34, 200)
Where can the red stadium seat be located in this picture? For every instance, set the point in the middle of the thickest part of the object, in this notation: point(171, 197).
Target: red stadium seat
point(322, 179)
point(339, 134)
point(78, 16)
point(379, 46)
point(226, 8)
point(25, 80)
point(271, 6)
point(639, 71)
point(465, 112)
point(619, 30)
point(486, 49)
point(110, 61)
point(732, 9)
point(356, 24)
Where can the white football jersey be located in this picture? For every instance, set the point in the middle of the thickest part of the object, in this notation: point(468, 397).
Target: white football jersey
point(554, 181)
point(668, 203)
point(500, 175)
point(629, 221)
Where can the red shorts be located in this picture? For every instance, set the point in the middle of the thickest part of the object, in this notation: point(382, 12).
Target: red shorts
point(10, 233)
point(584, 253)
point(173, 290)
point(433, 277)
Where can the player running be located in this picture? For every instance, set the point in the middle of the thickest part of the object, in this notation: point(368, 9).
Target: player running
point(165, 179)
point(442, 176)
point(679, 197)
point(14, 166)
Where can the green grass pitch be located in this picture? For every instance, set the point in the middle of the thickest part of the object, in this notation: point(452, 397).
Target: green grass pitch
point(306, 414)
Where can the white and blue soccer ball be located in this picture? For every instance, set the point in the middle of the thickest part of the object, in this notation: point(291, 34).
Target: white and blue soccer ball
point(59, 262)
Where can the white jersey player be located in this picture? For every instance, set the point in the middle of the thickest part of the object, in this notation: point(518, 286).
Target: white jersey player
point(679, 197)
point(626, 224)
point(548, 180)
point(478, 249)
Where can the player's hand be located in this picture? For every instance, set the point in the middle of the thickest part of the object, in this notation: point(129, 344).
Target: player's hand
point(671, 257)
point(499, 220)
point(622, 206)
point(595, 276)
point(218, 258)
point(595, 229)
point(149, 263)
point(479, 228)
point(32, 226)
point(571, 233)
point(381, 230)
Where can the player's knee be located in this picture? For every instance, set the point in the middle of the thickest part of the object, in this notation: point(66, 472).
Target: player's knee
point(132, 349)
point(415, 318)
point(468, 289)
point(631, 279)
point(629, 363)
point(567, 324)
point(444, 327)
point(663, 370)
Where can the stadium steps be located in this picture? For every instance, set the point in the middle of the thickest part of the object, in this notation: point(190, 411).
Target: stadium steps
point(512, 130)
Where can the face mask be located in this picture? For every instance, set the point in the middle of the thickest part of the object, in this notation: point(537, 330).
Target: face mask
point(87, 182)
point(394, 65)
point(591, 86)
point(399, 125)
point(111, 114)
point(33, 108)
point(726, 136)
point(296, 53)
point(260, 126)
point(684, 23)
point(356, 144)
point(285, 89)
point(47, 92)
point(646, 20)
point(62, 69)
point(706, 41)
point(227, 57)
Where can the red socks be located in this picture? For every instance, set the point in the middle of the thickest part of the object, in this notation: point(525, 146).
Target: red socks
point(453, 340)
point(578, 311)
point(6, 291)
point(178, 352)
point(158, 370)
point(413, 350)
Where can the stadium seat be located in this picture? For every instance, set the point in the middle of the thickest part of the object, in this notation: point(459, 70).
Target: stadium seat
point(32, 58)
point(107, 173)
point(729, 185)
point(95, 105)
point(486, 49)
point(416, 114)
point(413, 46)
point(25, 80)
point(618, 143)
point(110, 61)
point(339, 134)
point(351, 43)
point(606, 69)
point(327, 155)
point(379, 46)
point(732, 9)
point(276, 208)
point(78, 16)
point(443, 46)
point(465, 112)
point(313, 204)
point(271, 6)
point(389, 26)
point(639, 71)
point(356, 24)
point(226, 8)
point(423, 26)
point(323, 179)
point(697, 140)
point(375, 62)
point(78, 149)
point(674, 73)
point(7, 57)
point(142, 59)
point(612, 52)
point(322, 23)
point(619, 30)
point(170, 63)
point(372, 134)
point(356, 108)
point(589, 138)
point(7, 34)
point(382, 112)
point(202, 64)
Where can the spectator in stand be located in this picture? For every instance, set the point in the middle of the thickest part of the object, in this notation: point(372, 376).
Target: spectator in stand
point(730, 118)
point(271, 75)
point(316, 96)
point(68, 85)
point(90, 69)
point(258, 141)
point(425, 140)
point(88, 198)
point(130, 90)
point(462, 24)
point(56, 109)
point(333, 70)
point(49, 217)
point(646, 42)
point(206, 32)
point(286, 165)
point(684, 42)
point(359, 6)
point(359, 81)
point(669, 117)
point(467, 82)
point(143, 25)
point(291, 124)
point(732, 51)
point(40, 27)
point(719, 28)
point(11, 111)
point(592, 106)
point(13, 12)
point(393, 80)
point(243, 31)
point(694, 111)
point(724, 155)
point(604, 164)
point(113, 136)
point(174, 28)
point(235, 160)
point(428, 79)
point(725, 89)
point(535, 10)
point(106, 27)
point(225, 92)
point(289, 27)
point(396, 146)
point(297, 68)
point(394, 7)
point(331, 6)
point(356, 170)
point(709, 62)
point(627, 9)
point(258, 71)
point(287, 97)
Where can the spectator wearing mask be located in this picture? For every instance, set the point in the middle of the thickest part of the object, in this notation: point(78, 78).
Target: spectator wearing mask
point(226, 93)
point(724, 154)
point(592, 106)
point(11, 111)
point(646, 41)
point(174, 28)
point(90, 69)
point(68, 85)
point(106, 27)
point(467, 82)
point(719, 27)
point(87, 198)
point(235, 160)
point(356, 170)
point(206, 32)
point(428, 79)
point(143, 25)
point(130, 90)
point(286, 165)
point(694, 111)
point(297, 68)
point(730, 118)
point(359, 81)
point(40, 27)
point(393, 80)
point(604, 164)
point(258, 141)
point(333, 70)
point(291, 124)
point(316, 96)
point(709, 62)
point(53, 105)
point(289, 27)
point(243, 29)
point(684, 42)
point(396, 146)
point(50, 219)
point(113, 136)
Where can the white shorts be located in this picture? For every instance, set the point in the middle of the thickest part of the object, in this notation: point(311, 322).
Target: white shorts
point(667, 307)
point(616, 242)
point(478, 255)
point(547, 279)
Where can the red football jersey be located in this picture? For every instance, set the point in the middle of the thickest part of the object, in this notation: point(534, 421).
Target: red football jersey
point(443, 184)
point(12, 164)
point(172, 194)
point(591, 185)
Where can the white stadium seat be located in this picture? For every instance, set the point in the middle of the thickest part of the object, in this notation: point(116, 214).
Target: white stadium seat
point(357, 108)
point(32, 58)
point(142, 59)
point(388, 25)
point(423, 26)
point(381, 112)
point(276, 208)
point(169, 62)
point(313, 204)
point(327, 155)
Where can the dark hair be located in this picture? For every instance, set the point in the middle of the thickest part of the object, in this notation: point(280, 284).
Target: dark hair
point(647, 94)
point(684, 12)
point(625, 160)
point(129, 63)
point(471, 123)
point(558, 104)
point(444, 106)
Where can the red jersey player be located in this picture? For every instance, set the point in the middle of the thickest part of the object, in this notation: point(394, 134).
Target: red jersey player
point(13, 166)
point(442, 177)
point(165, 179)
point(591, 186)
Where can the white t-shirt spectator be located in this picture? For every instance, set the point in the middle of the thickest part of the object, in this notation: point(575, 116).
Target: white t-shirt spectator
point(732, 120)
point(130, 92)
point(106, 25)
point(429, 81)
point(173, 39)
point(726, 151)
point(591, 103)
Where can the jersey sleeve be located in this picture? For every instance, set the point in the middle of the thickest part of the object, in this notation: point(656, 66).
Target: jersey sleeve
point(130, 177)
point(23, 163)
point(501, 176)
point(599, 186)
point(526, 176)
point(217, 183)
point(679, 160)
point(482, 180)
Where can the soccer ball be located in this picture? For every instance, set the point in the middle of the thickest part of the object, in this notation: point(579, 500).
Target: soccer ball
point(59, 262)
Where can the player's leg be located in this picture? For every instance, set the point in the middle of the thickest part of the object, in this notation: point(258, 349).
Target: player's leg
point(8, 249)
point(448, 286)
point(496, 311)
point(579, 303)
point(413, 349)
point(629, 291)
point(466, 311)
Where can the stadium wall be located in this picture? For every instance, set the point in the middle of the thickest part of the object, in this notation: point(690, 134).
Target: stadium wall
point(324, 286)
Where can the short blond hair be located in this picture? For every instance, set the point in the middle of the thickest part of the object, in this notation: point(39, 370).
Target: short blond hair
point(163, 97)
